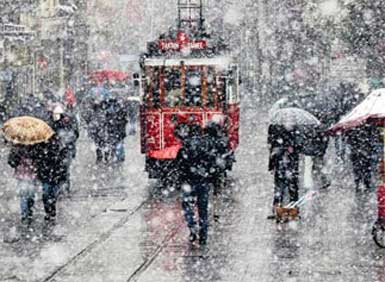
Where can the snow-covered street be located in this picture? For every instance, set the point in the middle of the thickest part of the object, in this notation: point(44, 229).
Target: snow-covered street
point(119, 226)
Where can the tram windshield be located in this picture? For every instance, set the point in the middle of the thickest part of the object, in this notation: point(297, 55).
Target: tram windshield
point(182, 86)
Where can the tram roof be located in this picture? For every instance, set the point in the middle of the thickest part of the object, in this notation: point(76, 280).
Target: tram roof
point(217, 61)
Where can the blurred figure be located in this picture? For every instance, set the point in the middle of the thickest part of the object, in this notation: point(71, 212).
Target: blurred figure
point(21, 161)
point(321, 142)
point(217, 146)
point(117, 119)
point(69, 99)
point(348, 96)
point(192, 162)
point(51, 164)
point(67, 129)
point(283, 163)
point(363, 153)
point(95, 119)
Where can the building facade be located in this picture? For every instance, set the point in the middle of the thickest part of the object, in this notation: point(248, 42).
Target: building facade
point(17, 40)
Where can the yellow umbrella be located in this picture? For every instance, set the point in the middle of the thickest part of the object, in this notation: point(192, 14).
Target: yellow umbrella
point(27, 130)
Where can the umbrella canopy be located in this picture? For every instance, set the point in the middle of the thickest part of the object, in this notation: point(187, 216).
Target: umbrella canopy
point(290, 117)
point(27, 130)
point(371, 110)
point(280, 104)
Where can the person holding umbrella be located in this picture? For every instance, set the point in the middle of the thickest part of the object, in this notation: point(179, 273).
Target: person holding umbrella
point(284, 163)
point(25, 134)
point(288, 134)
point(21, 161)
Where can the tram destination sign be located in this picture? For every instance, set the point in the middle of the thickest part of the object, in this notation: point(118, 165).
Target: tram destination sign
point(181, 43)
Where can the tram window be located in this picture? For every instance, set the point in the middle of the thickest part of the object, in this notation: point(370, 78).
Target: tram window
point(173, 87)
point(153, 88)
point(193, 88)
point(211, 88)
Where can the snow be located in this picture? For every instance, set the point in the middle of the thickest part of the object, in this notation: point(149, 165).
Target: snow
point(117, 224)
point(329, 7)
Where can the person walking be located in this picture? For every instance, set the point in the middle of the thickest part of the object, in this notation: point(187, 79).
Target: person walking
point(217, 149)
point(97, 127)
point(192, 163)
point(25, 173)
point(117, 119)
point(66, 127)
point(362, 142)
point(321, 143)
point(50, 159)
point(283, 163)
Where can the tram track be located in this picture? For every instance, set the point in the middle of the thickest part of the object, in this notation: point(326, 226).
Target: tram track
point(97, 242)
point(105, 236)
point(149, 261)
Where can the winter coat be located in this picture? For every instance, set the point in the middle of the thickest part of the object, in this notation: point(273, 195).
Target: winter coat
point(217, 150)
point(97, 123)
point(193, 160)
point(363, 147)
point(284, 160)
point(117, 119)
point(51, 161)
point(284, 152)
point(21, 161)
point(67, 129)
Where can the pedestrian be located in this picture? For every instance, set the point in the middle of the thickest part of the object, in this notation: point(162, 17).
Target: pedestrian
point(192, 163)
point(50, 159)
point(21, 161)
point(117, 119)
point(362, 143)
point(320, 143)
point(283, 163)
point(97, 128)
point(66, 127)
point(70, 99)
point(218, 152)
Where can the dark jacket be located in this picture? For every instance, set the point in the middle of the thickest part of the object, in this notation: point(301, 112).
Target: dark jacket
point(217, 150)
point(117, 119)
point(97, 123)
point(50, 159)
point(192, 160)
point(67, 129)
point(284, 151)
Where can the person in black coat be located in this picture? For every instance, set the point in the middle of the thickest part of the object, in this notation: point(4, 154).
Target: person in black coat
point(66, 127)
point(97, 127)
point(51, 166)
point(363, 152)
point(218, 152)
point(117, 119)
point(192, 162)
point(284, 163)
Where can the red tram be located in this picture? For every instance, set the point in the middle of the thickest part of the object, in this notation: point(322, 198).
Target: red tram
point(186, 78)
